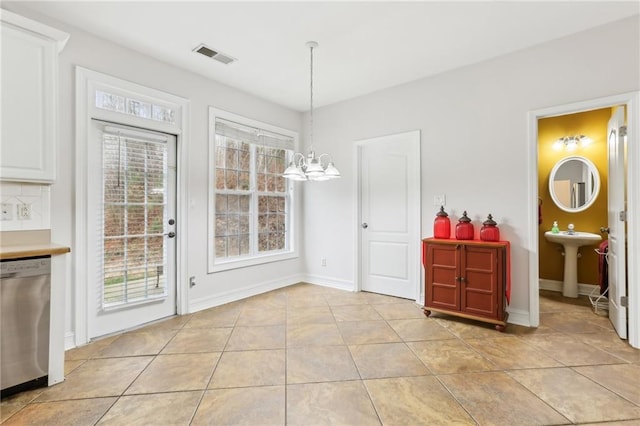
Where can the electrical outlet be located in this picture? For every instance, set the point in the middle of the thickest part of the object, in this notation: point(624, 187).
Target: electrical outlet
point(323, 261)
point(7, 211)
point(439, 200)
point(24, 211)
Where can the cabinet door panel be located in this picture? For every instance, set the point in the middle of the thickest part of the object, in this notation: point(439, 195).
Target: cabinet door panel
point(442, 290)
point(481, 269)
point(28, 130)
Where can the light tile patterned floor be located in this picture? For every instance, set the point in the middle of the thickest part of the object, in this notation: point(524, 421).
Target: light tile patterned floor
point(312, 355)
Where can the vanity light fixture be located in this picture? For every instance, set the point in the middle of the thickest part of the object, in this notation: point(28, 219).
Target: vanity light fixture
point(571, 143)
point(310, 167)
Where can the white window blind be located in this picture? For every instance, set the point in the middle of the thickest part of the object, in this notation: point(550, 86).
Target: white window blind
point(135, 171)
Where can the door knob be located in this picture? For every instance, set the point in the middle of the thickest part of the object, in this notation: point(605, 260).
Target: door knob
point(604, 230)
point(365, 225)
point(170, 234)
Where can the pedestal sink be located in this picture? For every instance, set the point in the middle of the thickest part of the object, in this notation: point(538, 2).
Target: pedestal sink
point(571, 242)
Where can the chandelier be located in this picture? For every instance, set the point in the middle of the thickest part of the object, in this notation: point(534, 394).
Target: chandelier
point(311, 167)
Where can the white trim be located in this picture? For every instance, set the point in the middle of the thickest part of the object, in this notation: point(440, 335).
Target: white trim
point(60, 37)
point(633, 217)
point(69, 340)
point(330, 282)
point(357, 150)
point(518, 317)
point(57, 319)
point(87, 81)
point(251, 261)
point(229, 264)
point(242, 293)
point(632, 102)
point(553, 285)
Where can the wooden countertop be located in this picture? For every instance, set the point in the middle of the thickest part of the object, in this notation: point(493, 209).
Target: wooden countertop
point(32, 250)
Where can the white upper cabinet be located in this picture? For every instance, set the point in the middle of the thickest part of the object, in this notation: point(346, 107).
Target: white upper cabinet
point(29, 95)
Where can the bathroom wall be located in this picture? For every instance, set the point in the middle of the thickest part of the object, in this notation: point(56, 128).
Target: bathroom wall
point(594, 125)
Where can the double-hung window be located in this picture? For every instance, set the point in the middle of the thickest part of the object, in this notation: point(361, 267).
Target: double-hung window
point(251, 216)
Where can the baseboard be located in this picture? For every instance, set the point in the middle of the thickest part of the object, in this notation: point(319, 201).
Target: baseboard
point(329, 282)
point(552, 285)
point(69, 340)
point(518, 317)
point(242, 293)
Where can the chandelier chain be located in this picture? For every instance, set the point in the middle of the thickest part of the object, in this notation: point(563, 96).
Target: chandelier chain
point(311, 167)
point(311, 104)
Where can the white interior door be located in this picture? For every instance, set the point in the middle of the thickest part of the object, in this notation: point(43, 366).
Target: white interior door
point(617, 228)
point(390, 215)
point(131, 228)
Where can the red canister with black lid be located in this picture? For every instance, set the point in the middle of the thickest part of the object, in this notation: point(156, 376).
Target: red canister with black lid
point(442, 225)
point(464, 228)
point(489, 230)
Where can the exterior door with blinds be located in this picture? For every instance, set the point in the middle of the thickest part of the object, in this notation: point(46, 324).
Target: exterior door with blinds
point(131, 203)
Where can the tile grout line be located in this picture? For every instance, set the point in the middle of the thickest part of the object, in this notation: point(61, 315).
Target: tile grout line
point(573, 368)
point(362, 381)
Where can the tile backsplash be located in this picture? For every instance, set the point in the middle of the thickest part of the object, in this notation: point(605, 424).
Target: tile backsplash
point(24, 206)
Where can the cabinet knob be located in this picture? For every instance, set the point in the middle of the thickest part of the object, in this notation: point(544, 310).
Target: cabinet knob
point(365, 225)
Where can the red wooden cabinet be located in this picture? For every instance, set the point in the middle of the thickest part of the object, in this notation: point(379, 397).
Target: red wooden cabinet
point(467, 279)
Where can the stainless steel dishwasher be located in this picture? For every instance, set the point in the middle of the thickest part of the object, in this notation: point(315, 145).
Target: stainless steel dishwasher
point(25, 290)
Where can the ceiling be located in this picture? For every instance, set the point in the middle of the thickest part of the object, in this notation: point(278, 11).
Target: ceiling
point(364, 46)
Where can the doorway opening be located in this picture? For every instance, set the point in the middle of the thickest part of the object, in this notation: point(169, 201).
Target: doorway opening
point(547, 263)
point(573, 190)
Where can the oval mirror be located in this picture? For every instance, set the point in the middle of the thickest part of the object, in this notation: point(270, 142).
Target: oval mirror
point(574, 184)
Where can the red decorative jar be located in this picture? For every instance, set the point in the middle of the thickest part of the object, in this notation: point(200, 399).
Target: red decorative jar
point(442, 225)
point(464, 228)
point(489, 230)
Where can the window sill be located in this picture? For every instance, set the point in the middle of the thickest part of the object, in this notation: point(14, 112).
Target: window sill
point(253, 261)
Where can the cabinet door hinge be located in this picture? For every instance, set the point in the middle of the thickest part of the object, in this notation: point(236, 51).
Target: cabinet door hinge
point(624, 301)
point(623, 216)
point(622, 131)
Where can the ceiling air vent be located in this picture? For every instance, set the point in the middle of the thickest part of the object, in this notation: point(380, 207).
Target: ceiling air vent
point(213, 54)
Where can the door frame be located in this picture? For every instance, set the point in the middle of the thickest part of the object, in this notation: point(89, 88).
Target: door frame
point(417, 216)
point(86, 83)
point(632, 102)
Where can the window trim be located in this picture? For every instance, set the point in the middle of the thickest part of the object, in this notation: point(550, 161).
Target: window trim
point(258, 259)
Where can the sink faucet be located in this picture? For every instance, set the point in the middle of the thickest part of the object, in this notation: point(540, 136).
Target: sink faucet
point(570, 229)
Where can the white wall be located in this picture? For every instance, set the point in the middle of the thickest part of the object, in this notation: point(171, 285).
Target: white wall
point(474, 141)
point(474, 144)
point(99, 55)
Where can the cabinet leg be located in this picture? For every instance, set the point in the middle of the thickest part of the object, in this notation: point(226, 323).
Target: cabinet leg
point(427, 312)
point(500, 328)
